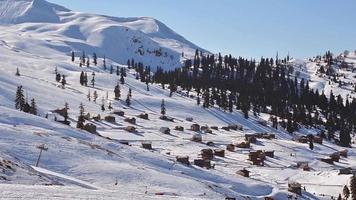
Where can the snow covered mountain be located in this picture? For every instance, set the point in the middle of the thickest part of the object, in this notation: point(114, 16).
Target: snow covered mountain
point(37, 37)
point(48, 25)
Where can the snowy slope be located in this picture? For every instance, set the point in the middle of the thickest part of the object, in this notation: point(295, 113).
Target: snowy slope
point(48, 25)
point(88, 166)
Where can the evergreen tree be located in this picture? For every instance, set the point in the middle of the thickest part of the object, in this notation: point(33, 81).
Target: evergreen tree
point(89, 96)
point(20, 98)
point(65, 114)
point(17, 72)
point(103, 105)
point(117, 92)
point(73, 56)
point(95, 96)
point(81, 120)
point(163, 107)
point(346, 192)
point(122, 79)
point(95, 60)
point(128, 100)
point(339, 198)
point(81, 79)
point(33, 107)
point(93, 80)
point(353, 187)
point(64, 82)
point(110, 106)
point(58, 77)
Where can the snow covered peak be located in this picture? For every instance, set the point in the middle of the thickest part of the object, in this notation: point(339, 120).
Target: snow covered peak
point(20, 11)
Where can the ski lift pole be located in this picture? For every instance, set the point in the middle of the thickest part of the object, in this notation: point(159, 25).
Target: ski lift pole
point(42, 148)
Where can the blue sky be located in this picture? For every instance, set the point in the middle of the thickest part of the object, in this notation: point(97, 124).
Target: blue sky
point(248, 28)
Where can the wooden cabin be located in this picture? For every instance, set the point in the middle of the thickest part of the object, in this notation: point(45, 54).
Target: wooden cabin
point(244, 173)
point(219, 152)
point(269, 154)
point(91, 128)
point(225, 128)
point(197, 138)
point(345, 171)
point(335, 156)
point(303, 139)
point(124, 142)
point(183, 160)
point(165, 118)
point(244, 145)
point(327, 160)
point(179, 128)
point(257, 157)
point(110, 119)
point(210, 143)
point(303, 165)
point(295, 188)
point(214, 128)
point(235, 127)
point(195, 127)
point(230, 147)
point(318, 139)
point(143, 116)
point(343, 153)
point(206, 129)
point(203, 163)
point(207, 154)
point(130, 129)
point(251, 138)
point(165, 130)
point(189, 119)
point(147, 145)
point(119, 113)
point(131, 120)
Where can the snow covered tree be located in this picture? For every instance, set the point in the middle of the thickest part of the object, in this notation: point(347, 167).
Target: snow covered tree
point(110, 106)
point(33, 107)
point(17, 72)
point(89, 96)
point(81, 120)
point(346, 192)
point(82, 78)
point(163, 107)
point(58, 77)
point(103, 105)
point(20, 98)
point(95, 60)
point(95, 96)
point(73, 56)
point(104, 63)
point(353, 187)
point(65, 114)
point(128, 99)
point(64, 82)
point(122, 79)
point(117, 92)
point(93, 79)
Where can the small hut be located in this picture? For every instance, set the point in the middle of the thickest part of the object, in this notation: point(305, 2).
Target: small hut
point(251, 138)
point(327, 160)
point(183, 159)
point(230, 147)
point(244, 173)
point(343, 153)
point(345, 171)
point(269, 154)
point(165, 118)
point(110, 119)
point(210, 143)
point(318, 139)
point(130, 129)
point(189, 119)
point(244, 145)
point(295, 188)
point(91, 128)
point(197, 138)
point(165, 130)
point(131, 120)
point(335, 156)
point(219, 152)
point(207, 154)
point(143, 116)
point(179, 128)
point(119, 113)
point(303, 165)
point(303, 139)
point(225, 128)
point(215, 128)
point(147, 145)
point(195, 127)
point(202, 163)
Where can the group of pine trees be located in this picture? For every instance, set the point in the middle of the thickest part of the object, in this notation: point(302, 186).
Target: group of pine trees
point(265, 86)
point(22, 104)
point(349, 192)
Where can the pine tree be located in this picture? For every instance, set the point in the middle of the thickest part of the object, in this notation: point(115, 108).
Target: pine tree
point(163, 107)
point(353, 187)
point(95, 61)
point(89, 96)
point(20, 98)
point(73, 56)
point(117, 92)
point(104, 64)
point(81, 120)
point(64, 82)
point(82, 78)
point(58, 77)
point(346, 192)
point(65, 114)
point(33, 107)
point(95, 96)
point(122, 79)
point(339, 198)
point(93, 80)
point(17, 72)
point(128, 100)
point(88, 62)
point(103, 105)
point(110, 106)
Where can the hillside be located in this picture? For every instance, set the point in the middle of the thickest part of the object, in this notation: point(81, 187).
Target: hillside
point(112, 163)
